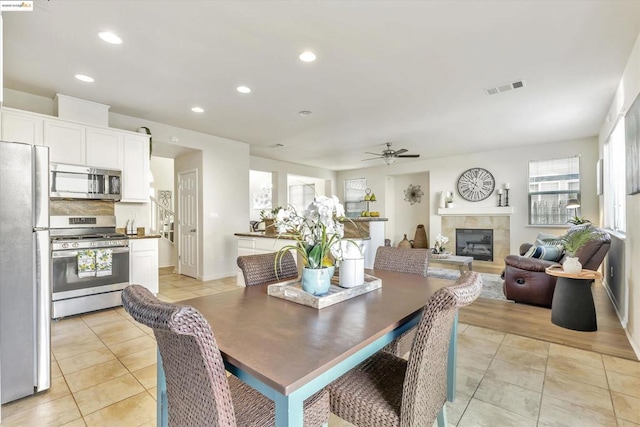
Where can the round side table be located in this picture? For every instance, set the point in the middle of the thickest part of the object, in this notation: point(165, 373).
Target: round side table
point(572, 306)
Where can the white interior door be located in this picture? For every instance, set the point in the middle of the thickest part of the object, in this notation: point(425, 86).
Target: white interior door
point(188, 223)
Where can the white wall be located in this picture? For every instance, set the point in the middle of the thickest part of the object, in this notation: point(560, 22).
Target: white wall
point(163, 179)
point(626, 94)
point(406, 216)
point(224, 188)
point(509, 165)
point(260, 184)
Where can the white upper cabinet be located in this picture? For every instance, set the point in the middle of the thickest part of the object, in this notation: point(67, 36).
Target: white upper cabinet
point(135, 171)
point(86, 145)
point(104, 148)
point(18, 127)
point(66, 142)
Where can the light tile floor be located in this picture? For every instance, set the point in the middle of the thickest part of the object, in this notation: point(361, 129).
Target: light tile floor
point(104, 364)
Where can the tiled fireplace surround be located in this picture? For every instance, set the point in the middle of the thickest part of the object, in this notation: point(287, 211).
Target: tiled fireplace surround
point(500, 225)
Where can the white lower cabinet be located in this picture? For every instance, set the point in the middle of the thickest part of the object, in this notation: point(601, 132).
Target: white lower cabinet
point(143, 263)
point(259, 245)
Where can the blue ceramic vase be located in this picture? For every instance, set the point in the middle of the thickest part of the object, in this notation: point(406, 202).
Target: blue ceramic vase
point(317, 281)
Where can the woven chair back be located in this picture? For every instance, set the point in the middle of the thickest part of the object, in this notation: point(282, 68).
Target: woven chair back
point(412, 261)
point(263, 268)
point(425, 384)
point(197, 388)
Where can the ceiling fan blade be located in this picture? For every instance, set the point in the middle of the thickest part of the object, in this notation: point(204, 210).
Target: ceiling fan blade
point(400, 151)
point(373, 158)
point(375, 154)
point(409, 155)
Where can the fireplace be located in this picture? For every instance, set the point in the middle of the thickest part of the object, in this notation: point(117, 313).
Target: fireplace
point(476, 243)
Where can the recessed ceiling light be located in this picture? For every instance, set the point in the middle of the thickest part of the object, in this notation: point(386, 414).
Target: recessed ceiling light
point(304, 113)
point(109, 37)
point(197, 110)
point(243, 89)
point(307, 56)
point(84, 78)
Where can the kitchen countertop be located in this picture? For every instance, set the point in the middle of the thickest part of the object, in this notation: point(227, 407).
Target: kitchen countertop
point(147, 236)
point(366, 219)
point(135, 236)
point(264, 236)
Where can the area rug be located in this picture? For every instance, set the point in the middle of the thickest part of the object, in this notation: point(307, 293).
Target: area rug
point(491, 283)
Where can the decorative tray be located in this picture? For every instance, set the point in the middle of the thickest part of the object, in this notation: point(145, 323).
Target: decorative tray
point(443, 255)
point(292, 291)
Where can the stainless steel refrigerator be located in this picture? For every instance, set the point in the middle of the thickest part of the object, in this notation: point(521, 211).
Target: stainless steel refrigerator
point(25, 270)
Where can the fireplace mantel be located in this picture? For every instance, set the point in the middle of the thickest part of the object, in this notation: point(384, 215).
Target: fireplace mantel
point(476, 211)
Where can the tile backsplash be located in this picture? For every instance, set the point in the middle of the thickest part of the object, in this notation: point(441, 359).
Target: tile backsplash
point(81, 207)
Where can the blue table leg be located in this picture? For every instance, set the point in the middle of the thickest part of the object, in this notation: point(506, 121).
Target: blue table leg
point(442, 416)
point(451, 361)
point(162, 405)
point(289, 410)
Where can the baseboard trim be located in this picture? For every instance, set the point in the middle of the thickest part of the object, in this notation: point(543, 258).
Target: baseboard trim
point(169, 269)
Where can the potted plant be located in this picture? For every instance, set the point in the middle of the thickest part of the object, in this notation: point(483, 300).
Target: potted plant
point(572, 241)
point(269, 217)
point(316, 231)
point(576, 220)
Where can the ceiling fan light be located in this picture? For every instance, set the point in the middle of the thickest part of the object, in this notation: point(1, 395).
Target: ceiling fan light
point(389, 160)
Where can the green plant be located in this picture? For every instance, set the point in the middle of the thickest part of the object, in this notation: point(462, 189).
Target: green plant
point(576, 220)
point(270, 214)
point(576, 238)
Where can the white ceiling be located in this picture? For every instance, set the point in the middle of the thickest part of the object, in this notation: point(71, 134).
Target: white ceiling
point(411, 72)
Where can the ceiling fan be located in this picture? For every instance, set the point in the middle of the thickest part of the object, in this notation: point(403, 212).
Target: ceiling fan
point(390, 155)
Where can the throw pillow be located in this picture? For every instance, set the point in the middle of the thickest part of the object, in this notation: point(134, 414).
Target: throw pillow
point(549, 253)
point(540, 240)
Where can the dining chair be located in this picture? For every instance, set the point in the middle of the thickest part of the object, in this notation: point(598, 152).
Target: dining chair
point(261, 268)
point(413, 261)
point(387, 390)
point(199, 393)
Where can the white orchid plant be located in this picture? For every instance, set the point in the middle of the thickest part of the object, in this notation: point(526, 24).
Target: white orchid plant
point(316, 230)
point(441, 241)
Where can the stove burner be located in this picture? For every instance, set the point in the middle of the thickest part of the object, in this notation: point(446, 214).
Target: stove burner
point(94, 236)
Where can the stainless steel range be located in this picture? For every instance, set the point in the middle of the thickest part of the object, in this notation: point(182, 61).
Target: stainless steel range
point(90, 264)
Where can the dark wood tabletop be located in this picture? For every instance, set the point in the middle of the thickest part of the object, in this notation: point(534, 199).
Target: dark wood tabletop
point(285, 344)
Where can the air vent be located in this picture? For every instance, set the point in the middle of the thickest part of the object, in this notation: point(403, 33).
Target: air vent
point(505, 87)
point(276, 146)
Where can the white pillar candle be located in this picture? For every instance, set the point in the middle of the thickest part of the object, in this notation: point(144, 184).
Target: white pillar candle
point(500, 191)
point(506, 186)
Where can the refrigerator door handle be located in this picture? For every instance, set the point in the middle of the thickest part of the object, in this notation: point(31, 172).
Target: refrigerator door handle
point(43, 310)
point(41, 187)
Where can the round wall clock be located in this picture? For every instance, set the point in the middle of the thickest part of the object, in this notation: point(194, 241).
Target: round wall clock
point(476, 184)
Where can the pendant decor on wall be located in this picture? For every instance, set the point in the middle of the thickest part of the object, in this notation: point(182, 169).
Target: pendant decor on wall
point(164, 198)
point(413, 194)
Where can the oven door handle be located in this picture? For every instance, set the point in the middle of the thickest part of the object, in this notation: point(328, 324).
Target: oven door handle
point(74, 252)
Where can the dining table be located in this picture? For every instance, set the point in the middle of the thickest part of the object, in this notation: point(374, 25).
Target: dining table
point(289, 351)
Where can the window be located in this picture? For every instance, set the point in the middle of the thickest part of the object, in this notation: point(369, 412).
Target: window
point(614, 186)
point(300, 196)
point(354, 192)
point(551, 184)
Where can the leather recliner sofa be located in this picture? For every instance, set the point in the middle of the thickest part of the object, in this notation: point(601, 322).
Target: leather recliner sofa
point(525, 279)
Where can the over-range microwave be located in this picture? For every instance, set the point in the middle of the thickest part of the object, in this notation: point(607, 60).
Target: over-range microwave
point(84, 182)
